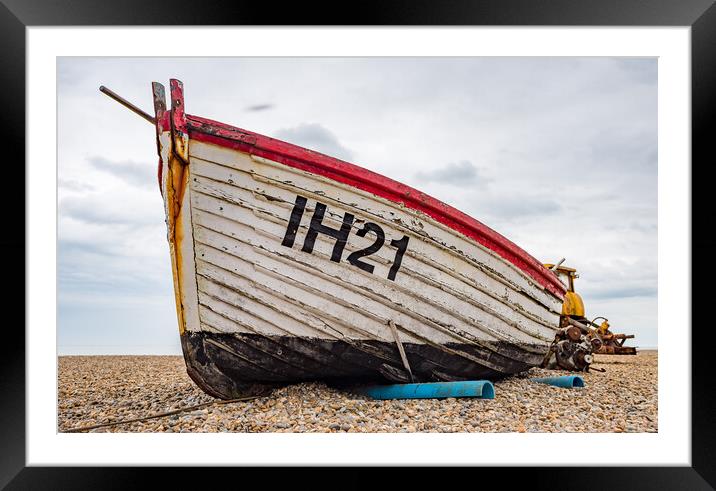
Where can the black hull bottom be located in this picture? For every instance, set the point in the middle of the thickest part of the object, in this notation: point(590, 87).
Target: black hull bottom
point(228, 365)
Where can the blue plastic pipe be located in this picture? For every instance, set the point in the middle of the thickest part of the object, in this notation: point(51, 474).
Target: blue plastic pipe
point(566, 381)
point(482, 389)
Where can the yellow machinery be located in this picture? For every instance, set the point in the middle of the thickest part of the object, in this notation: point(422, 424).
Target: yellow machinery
point(602, 339)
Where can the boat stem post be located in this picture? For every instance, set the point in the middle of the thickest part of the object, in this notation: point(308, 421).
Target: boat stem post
point(481, 389)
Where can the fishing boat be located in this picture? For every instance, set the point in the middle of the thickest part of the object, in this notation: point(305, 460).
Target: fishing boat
point(290, 265)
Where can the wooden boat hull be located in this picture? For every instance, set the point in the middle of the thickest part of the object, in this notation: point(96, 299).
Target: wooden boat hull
point(222, 364)
point(290, 265)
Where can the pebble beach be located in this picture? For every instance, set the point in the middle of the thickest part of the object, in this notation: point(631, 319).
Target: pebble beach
point(96, 390)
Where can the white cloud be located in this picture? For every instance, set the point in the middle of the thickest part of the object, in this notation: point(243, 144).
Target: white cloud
point(139, 174)
point(462, 173)
point(315, 137)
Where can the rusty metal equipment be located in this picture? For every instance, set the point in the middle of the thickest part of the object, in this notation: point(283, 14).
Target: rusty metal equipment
point(572, 348)
point(608, 343)
point(580, 338)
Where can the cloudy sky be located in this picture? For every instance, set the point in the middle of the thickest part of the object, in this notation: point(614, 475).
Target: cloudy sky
point(557, 154)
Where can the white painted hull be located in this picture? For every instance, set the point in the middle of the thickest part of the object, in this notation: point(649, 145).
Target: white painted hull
point(268, 308)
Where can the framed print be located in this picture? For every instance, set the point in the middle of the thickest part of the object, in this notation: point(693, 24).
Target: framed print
point(323, 308)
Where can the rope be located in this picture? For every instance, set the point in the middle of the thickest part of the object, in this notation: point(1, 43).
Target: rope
point(400, 348)
point(161, 415)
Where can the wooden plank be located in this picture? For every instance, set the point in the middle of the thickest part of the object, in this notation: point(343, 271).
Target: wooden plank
point(357, 177)
point(455, 259)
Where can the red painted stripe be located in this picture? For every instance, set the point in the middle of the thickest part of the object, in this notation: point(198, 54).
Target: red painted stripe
point(177, 104)
point(224, 135)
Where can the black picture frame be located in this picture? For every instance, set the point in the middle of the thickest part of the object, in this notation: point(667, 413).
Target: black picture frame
point(700, 15)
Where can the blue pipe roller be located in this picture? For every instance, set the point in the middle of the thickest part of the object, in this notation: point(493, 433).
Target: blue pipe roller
point(482, 389)
point(566, 381)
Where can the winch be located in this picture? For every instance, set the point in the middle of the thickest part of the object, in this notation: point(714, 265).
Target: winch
point(580, 338)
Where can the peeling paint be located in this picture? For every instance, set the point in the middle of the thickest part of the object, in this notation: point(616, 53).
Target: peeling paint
point(173, 150)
